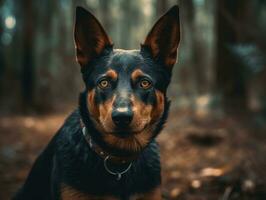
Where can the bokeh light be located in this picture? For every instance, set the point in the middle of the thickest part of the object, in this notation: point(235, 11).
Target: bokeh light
point(10, 22)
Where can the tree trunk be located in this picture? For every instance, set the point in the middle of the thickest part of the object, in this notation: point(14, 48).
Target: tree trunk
point(197, 47)
point(28, 71)
point(105, 10)
point(229, 73)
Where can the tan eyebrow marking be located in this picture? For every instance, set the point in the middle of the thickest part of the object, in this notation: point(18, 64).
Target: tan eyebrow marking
point(112, 73)
point(135, 74)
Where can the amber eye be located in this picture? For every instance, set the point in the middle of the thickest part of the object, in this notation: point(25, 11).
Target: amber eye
point(145, 84)
point(104, 84)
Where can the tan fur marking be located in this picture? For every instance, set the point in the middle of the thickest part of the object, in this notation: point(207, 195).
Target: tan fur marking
point(105, 117)
point(101, 114)
point(129, 143)
point(136, 74)
point(155, 194)
point(112, 73)
point(142, 114)
point(69, 193)
point(93, 109)
point(158, 110)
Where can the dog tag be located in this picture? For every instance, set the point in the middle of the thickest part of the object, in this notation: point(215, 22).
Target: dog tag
point(118, 176)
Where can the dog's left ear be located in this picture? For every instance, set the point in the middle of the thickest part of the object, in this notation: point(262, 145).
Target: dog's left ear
point(164, 38)
point(90, 37)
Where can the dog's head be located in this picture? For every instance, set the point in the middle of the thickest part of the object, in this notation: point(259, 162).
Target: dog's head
point(126, 89)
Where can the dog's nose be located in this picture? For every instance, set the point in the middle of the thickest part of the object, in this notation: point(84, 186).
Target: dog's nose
point(122, 116)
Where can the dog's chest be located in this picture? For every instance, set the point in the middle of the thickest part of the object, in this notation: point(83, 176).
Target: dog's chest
point(132, 186)
point(83, 172)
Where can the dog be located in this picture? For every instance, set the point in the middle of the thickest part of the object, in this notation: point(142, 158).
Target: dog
point(106, 149)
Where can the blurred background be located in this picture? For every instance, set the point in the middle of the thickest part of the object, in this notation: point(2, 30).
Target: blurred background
point(214, 144)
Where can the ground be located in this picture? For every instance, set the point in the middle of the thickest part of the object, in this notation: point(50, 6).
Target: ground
point(203, 157)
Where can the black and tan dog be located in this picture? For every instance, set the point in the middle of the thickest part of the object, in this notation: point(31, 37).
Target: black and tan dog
point(106, 149)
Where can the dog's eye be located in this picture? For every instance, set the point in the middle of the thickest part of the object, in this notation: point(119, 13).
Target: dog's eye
point(103, 84)
point(145, 84)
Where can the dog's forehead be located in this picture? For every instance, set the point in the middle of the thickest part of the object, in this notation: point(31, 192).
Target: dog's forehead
point(125, 60)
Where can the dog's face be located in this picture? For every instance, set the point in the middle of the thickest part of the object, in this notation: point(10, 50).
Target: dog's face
point(125, 89)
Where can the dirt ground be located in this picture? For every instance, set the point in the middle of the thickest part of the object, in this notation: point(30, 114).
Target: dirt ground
point(212, 158)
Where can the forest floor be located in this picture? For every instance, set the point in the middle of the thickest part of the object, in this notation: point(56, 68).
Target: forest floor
point(202, 157)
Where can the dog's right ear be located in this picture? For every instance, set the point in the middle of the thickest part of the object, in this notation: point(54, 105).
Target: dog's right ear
point(90, 37)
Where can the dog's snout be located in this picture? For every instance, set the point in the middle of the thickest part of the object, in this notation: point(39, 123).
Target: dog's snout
point(122, 116)
point(122, 113)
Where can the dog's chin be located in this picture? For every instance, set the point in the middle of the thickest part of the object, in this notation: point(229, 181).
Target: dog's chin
point(132, 140)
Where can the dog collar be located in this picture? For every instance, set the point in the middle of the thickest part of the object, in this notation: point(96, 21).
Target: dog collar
point(107, 157)
point(103, 154)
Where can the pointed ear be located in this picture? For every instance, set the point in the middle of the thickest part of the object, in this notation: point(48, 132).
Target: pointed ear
point(90, 37)
point(164, 37)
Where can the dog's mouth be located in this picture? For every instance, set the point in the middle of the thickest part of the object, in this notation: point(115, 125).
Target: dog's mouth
point(127, 132)
point(123, 133)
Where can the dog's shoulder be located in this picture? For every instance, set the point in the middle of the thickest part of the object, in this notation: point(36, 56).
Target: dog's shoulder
point(70, 129)
point(69, 139)
point(72, 123)
point(151, 156)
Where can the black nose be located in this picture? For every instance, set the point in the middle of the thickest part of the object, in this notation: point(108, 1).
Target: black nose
point(122, 118)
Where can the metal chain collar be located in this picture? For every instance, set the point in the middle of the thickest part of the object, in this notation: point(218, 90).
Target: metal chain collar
point(116, 173)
